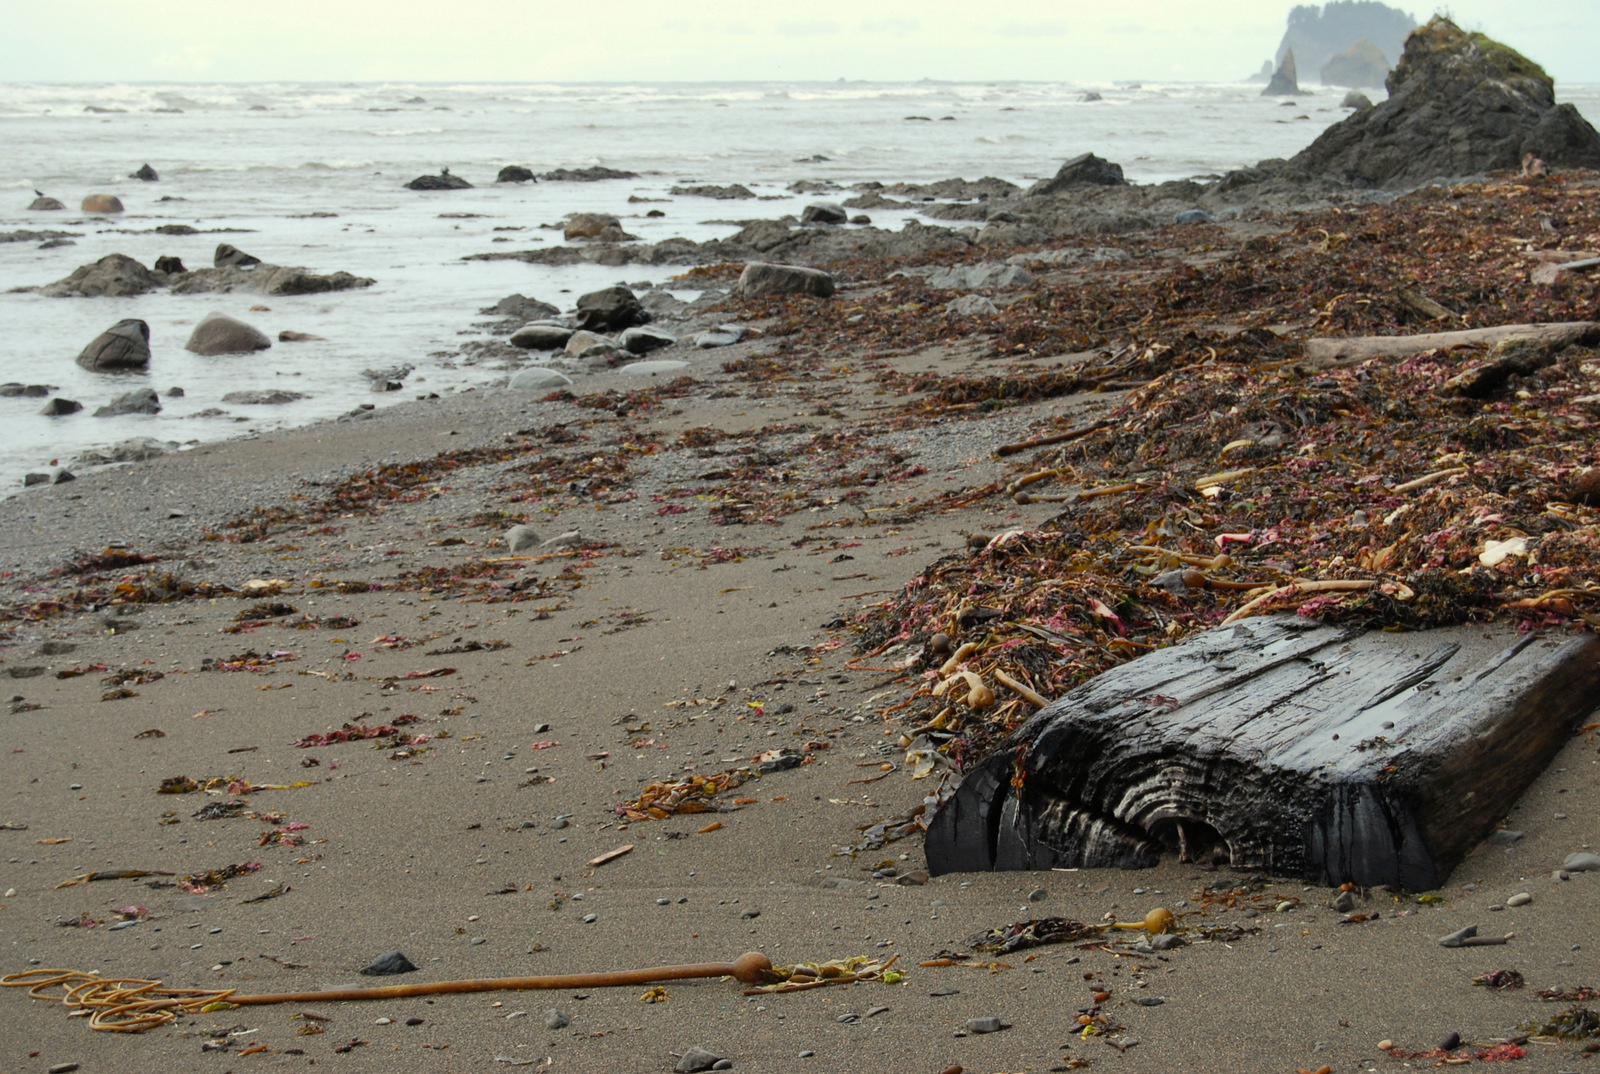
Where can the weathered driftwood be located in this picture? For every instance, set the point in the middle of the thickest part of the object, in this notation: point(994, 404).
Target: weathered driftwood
point(1327, 353)
point(1280, 745)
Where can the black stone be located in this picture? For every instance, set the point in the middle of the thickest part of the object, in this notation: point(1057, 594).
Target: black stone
point(389, 964)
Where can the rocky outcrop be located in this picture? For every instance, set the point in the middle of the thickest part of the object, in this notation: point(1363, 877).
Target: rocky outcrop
point(114, 275)
point(541, 337)
point(273, 397)
point(521, 307)
point(101, 204)
point(145, 174)
point(734, 192)
point(824, 212)
point(43, 204)
point(1086, 169)
point(610, 310)
point(138, 401)
point(218, 333)
point(1361, 66)
point(1357, 100)
point(588, 225)
point(443, 181)
point(586, 175)
point(123, 346)
point(1285, 81)
point(267, 280)
point(1459, 104)
point(762, 278)
point(515, 173)
point(230, 256)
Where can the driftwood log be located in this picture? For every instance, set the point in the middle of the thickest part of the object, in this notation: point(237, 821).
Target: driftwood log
point(1281, 745)
point(1352, 350)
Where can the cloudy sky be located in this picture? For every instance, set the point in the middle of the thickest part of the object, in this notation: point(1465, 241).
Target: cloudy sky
point(662, 40)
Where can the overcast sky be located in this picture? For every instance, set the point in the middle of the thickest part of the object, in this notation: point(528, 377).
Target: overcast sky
point(670, 40)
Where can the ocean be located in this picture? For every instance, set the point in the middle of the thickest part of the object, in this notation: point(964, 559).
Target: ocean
point(312, 174)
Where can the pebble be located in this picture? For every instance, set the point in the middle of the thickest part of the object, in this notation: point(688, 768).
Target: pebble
point(476, 940)
point(1344, 902)
point(1285, 906)
point(807, 1054)
point(1521, 898)
point(1385, 1044)
point(1503, 837)
point(849, 1018)
point(76, 787)
point(383, 1021)
point(696, 1058)
point(875, 1011)
point(1150, 1001)
point(559, 823)
point(721, 1064)
point(1038, 895)
point(663, 902)
point(987, 1024)
point(63, 1068)
point(556, 1019)
point(1166, 942)
point(750, 914)
point(1450, 1042)
point(413, 1021)
point(590, 919)
point(945, 991)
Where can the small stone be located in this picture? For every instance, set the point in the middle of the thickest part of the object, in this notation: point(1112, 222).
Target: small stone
point(1150, 1001)
point(1521, 898)
point(556, 1019)
point(383, 1022)
point(987, 1024)
point(413, 1021)
point(1344, 902)
point(590, 919)
point(391, 963)
point(1450, 1042)
point(1582, 863)
point(1385, 1044)
point(875, 1011)
point(695, 1059)
point(521, 538)
point(945, 991)
point(559, 823)
point(1503, 837)
point(722, 1064)
point(1456, 938)
point(663, 902)
point(1166, 942)
point(477, 940)
point(807, 1054)
point(63, 1068)
point(1284, 907)
point(750, 914)
point(849, 1018)
point(1038, 895)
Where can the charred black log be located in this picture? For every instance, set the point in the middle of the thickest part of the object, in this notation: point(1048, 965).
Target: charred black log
point(1281, 745)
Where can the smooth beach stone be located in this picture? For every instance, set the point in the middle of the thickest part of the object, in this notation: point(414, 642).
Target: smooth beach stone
point(580, 344)
point(538, 378)
point(610, 310)
point(762, 278)
point(102, 203)
point(522, 538)
point(275, 397)
point(643, 339)
point(230, 256)
point(125, 345)
point(971, 306)
point(1582, 862)
point(555, 1018)
point(218, 333)
point(723, 335)
point(541, 337)
point(588, 225)
point(1193, 216)
point(824, 212)
point(652, 367)
point(59, 407)
point(138, 401)
point(145, 174)
point(391, 963)
point(43, 204)
point(986, 1024)
point(696, 1059)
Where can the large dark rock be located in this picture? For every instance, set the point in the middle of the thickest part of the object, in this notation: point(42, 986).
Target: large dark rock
point(586, 175)
point(138, 401)
point(1361, 66)
point(1086, 169)
point(610, 310)
point(146, 174)
point(1285, 81)
point(515, 173)
point(42, 204)
point(443, 181)
point(267, 280)
point(172, 266)
point(734, 192)
point(59, 407)
point(218, 333)
point(529, 309)
point(824, 212)
point(125, 345)
point(1459, 104)
point(230, 256)
point(114, 275)
point(761, 278)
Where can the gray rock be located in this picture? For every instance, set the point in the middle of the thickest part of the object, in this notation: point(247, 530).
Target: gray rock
point(642, 339)
point(267, 280)
point(653, 367)
point(593, 174)
point(217, 333)
point(63, 476)
point(971, 306)
point(1344, 902)
point(723, 335)
point(275, 397)
point(1503, 837)
point(45, 205)
point(528, 309)
point(610, 310)
point(1582, 862)
point(584, 343)
point(443, 181)
point(102, 204)
point(391, 963)
point(1086, 169)
point(138, 401)
point(114, 275)
point(1285, 81)
point(1357, 100)
point(515, 173)
point(569, 539)
point(732, 192)
point(1193, 216)
point(985, 274)
point(824, 212)
point(987, 1024)
point(1521, 898)
point(588, 225)
point(172, 266)
point(696, 1059)
point(556, 1019)
point(1459, 937)
point(541, 337)
point(538, 379)
point(125, 345)
point(762, 278)
point(30, 480)
point(289, 335)
point(230, 256)
point(521, 538)
point(136, 449)
point(59, 407)
point(1038, 895)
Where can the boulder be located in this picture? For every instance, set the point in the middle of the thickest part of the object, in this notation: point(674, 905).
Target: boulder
point(289, 335)
point(1459, 104)
point(970, 306)
point(586, 175)
point(102, 203)
point(824, 212)
point(588, 225)
point(138, 401)
point(266, 279)
point(761, 278)
point(734, 192)
point(114, 276)
point(59, 407)
point(1357, 100)
point(522, 538)
point(515, 173)
point(538, 379)
point(1086, 169)
point(541, 337)
point(146, 174)
point(610, 310)
point(136, 449)
point(1361, 66)
point(588, 344)
point(43, 204)
point(643, 340)
point(172, 266)
point(1285, 82)
point(230, 256)
point(443, 181)
point(274, 397)
point(653, 367)
point(125, 345)
point(986, 274)
point(723, 335)
point(523, 307)
point(1192, 216)
point(218, 333)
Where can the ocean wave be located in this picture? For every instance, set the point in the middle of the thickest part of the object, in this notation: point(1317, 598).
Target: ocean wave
point(408, 132)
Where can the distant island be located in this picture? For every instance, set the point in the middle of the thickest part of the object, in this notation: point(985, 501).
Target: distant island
point(1345, 42)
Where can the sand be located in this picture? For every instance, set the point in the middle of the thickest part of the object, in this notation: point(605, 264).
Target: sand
point(661, 659)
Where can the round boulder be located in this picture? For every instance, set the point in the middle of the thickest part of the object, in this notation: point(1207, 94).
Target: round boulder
point(443, 181)
point(218, 333)
point(172, 266)
point(589, 225)
point(515, 173)
point(824, 212)
point(114, 276)
point(610, 310)
point(102, 203)
point(643, 340)
point(541, 337)
point(538, 379)
point(125, 345)
point(59, 407)
point(45, 205)
point(760, 278)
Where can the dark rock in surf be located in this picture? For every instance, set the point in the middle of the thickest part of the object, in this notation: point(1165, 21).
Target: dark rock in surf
point(138, 401)
point(43, 204)
point(515, 173)
point(172, 266)
point(218, 333)
point(1357, 100)
point(125, 345)
point(145, 174)
point(1086, 169)
point(443, 181)
point(824, 212)
point(114, 275)
point(59, 407)
point(593, 174)
point(1285, 82)
point(229, 256)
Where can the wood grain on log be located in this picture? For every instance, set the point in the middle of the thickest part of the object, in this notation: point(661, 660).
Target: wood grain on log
point(1328, 353)
point(1281, 745)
